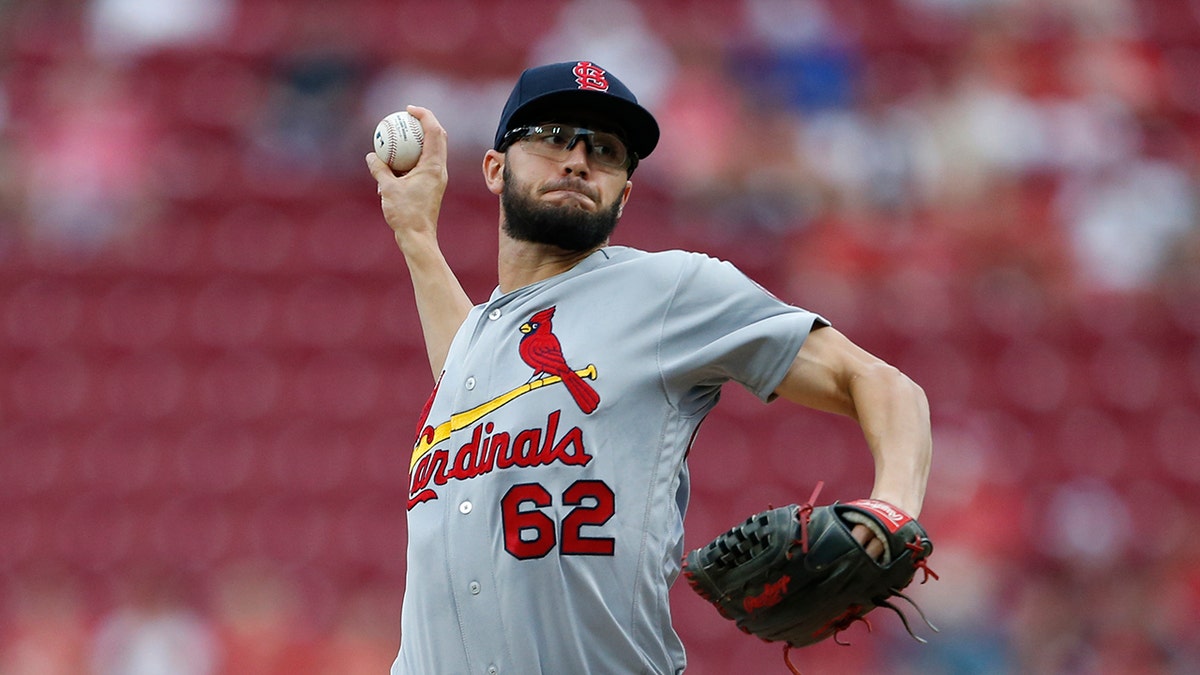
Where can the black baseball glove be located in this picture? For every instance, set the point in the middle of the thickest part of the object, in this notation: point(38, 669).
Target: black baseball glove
point(795, 574)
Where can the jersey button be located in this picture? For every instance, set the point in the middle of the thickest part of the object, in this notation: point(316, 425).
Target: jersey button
point(494, 314)
point(470, 383)
point(493, 670)
point(474, 587)
point(465, 508)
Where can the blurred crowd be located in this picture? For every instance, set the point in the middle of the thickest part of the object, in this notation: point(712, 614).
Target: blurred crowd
point(209, 361)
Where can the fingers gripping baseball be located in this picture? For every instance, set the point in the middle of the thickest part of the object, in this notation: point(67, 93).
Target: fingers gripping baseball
point(411, 202)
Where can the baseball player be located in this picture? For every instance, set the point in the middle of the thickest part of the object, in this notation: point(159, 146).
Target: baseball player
point(548, 478)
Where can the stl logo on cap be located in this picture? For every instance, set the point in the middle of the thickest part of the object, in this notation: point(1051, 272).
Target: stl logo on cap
point(590, 76)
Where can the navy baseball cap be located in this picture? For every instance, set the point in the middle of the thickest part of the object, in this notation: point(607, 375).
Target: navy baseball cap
point(545, 92)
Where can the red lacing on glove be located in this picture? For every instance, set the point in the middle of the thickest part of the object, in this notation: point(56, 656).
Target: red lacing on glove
point(690, 577)
point(851, 616)
point(837, 625)
point(803, 516)
point(919, 559)
point(788, 660)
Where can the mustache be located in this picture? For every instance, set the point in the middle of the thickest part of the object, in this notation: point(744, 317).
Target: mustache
point(573, 184)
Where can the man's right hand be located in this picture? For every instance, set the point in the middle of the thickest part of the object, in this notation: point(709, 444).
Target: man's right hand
point(411, 202)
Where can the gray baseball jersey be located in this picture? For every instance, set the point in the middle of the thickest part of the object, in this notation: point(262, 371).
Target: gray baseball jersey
point(548, 483)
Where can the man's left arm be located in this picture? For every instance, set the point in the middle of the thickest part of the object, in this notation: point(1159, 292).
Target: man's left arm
point(833, 374)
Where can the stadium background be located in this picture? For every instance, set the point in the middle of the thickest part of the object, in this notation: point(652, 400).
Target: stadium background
point(210, 364)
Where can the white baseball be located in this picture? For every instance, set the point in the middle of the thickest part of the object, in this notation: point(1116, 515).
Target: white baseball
point(398, 141)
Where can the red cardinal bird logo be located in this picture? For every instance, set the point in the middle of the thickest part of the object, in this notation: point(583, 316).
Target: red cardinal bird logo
point(542, 351)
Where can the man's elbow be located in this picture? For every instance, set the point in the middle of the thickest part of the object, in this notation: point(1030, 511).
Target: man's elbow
point(883, 379)
point(913, 390)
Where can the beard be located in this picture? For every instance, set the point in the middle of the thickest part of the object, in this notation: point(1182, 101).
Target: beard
point(564, 226)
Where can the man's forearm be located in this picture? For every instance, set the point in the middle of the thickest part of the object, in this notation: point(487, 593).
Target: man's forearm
point(894, 414)
point(442, 304)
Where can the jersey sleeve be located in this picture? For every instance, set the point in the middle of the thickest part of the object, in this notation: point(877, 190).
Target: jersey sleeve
point(720, 326)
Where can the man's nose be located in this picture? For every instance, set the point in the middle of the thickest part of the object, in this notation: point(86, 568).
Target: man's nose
point(577, 157)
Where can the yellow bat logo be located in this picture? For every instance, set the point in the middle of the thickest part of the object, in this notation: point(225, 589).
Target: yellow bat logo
point(431, 436)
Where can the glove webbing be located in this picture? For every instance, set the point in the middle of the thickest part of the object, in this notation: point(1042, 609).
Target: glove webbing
point(749, 544)
point(750, 540)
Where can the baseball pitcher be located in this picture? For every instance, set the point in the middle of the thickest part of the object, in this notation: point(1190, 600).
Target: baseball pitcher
point(548, 474)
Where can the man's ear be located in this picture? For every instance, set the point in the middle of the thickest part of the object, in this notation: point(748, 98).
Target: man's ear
point(493, 171)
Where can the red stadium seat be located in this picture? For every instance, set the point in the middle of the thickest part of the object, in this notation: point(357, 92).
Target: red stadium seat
point(126, 460)
point(41, 312)
point(1035, 375)
point(722, 457)
point(386, 450)
point(253, 238)
point(20, 529)
point(233, 312)
point(807, 447)
point(1170, 22)
point(216, 459)
point(395, 318)
point(1089, 442)
point(338, 386)
point(240, 384)
point(1176, 429)
point(192, 533)
point(294, 532)
point(351, 237)
point(944, 371)
point(324, 311)
point(1128, 374)
point(308, 458)
point(54, 385)
point(97, 535)
point(33, 459)
point(173, 249)
point(150, 385)
point(137, 313)
point(370, 531)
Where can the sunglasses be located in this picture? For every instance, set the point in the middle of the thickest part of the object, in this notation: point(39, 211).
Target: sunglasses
point(555, 142)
